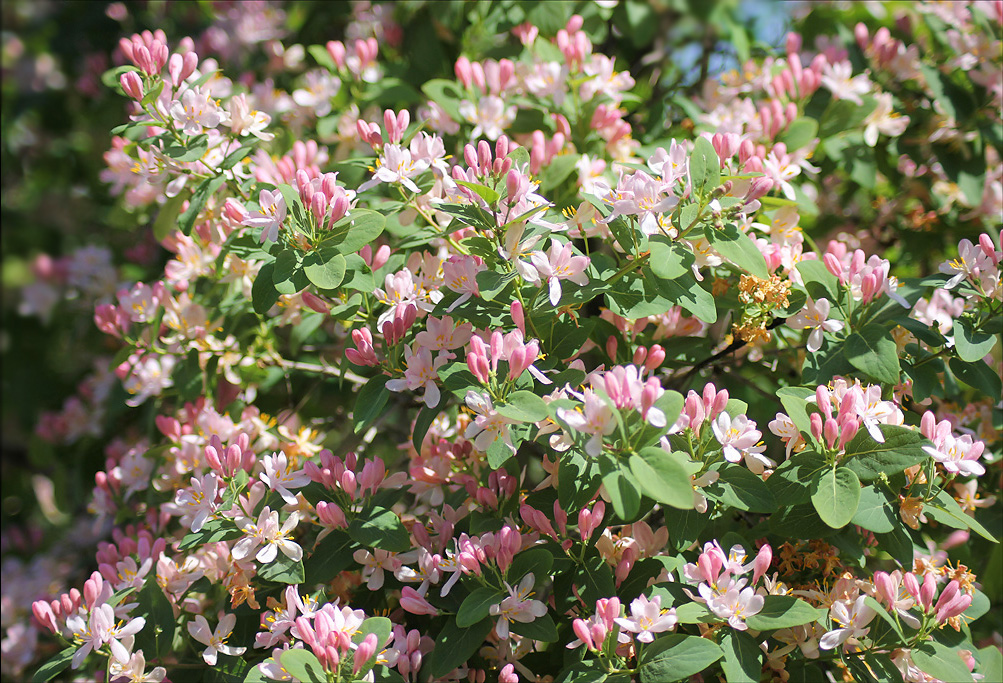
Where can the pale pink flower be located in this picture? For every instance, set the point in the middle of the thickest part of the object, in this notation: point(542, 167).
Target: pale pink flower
point(736, 606)
point(422, 372)
point(266, 531)
point(460, 274)
point(489, 425)
point(517, 606)
point(852, 620)
point(959, 455)
point(196, 111)
point(560, 264)
point(134, 670)
point(279, 476)
point(490, 116)
point(442, 334)
point(101, 628)
point(648, 618)
point(215, 641)
point(269, 216)
point(593, 417)
point(198, 502)
point(814, 316)
point(839, 79)
point(739, 438)
point(396, 165)
point(247, 121)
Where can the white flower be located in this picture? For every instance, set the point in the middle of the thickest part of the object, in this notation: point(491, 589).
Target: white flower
point(280, 477)
point(647, 618)
point(853, 622)
point(517, 606)
point(266, 531)
point(815, 316)
point(198, 502)
point(99, 629)
point(215, 640)
point(270, 216)
point(195, 111)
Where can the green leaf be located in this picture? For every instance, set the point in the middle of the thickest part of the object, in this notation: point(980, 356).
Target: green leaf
point(990, 663)
point(901, 449)
point(705, 167)
point(537, 560)
point(303, 665)
point(972, 346)
point(167, 217)
point(737, 247)
point(235, 157)
point(54, 666)
point(885, 616)
point(795, 402)
point(623, 494)
point(491, 283)
point(359, 228)
point(979, 376)
point(873, 351)
point(799, 521)
point(843, 115)
point(820, 283)
point(283, 570)
point(192, 150)
point(370, 401)
point(783, 611)
point(482, 191)
point(213, 531)
point(790, 482)
point(739, 488)
point(836, 496)
point(456, 645)
point(448, 95)
point(675, 657)
point(542, 628)
point(477, 605)
point(157, 636)
point(940, 662)
point(379, 527)
point(671, 403)
point(524, 406)
point(743, 660)
point(263, 292)
point(288, 275)
point(426, 416)
point(800, 133)
point(201, 194)
point(324, 268)
point(669, 260)
point(944, 509)
point(874, 512)
point(664, 477)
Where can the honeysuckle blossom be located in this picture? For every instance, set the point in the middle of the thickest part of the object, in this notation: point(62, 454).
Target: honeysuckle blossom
point(266, 532)
point(490, 116)
point(593, 417)
point(100, 628)
point(279, 476)
point(852, 620)
point(884, 119)
point(269, 216)
point(196, 111)
point(197, 503)
point(958, 455)
point(815, 316)
point(517, 606)
point(134, 670)
point(247, 121)
point(489, 425)
point(970, 262)
point(648, 618)
point(422, 372)
point(443, 334)
point(560, 264)
point(215, 640)
point(736, 605)
point(396, 165)
point(739, 438)
point(839, 79)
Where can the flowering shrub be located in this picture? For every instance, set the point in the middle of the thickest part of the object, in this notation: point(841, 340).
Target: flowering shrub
point(520, 373)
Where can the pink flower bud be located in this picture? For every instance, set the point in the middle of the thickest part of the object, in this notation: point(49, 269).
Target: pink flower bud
point(762, 562)
point(581, 629)
point(816, 426)
point(365, 651)
point(336, 49)
point(43, 614)
point(132, 84)
point(927, 591)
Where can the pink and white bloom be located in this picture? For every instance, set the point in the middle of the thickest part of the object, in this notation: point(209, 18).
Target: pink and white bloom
point(422, 371)
point(215, 641)
point(517, 606)
point(266, 532)
point(442, 334)
point(270, 216)
point(396, 165)
point(971, 261)
point(594, 417)
point(648, 618)
point(489, 425)
point(460, 275)
point(853, 621)
point(100, 628)
point(134, 670)
point(247, 121)
point(958, 455)
point(739, 438)
point(279, 476)
point(490, 116)
point(839, 79)
point(198, 502)
point(560, 264)
point(196, 111)
point(736, 605)
point(815, 316)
